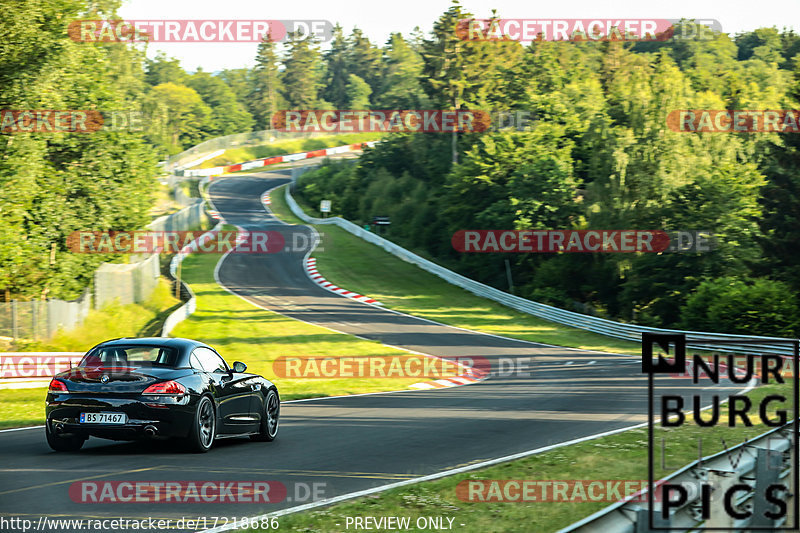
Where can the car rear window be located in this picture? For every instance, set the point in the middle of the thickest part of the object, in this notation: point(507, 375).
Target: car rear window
point(147, 356)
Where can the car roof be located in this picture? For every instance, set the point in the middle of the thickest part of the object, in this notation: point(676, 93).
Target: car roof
point(169, 342)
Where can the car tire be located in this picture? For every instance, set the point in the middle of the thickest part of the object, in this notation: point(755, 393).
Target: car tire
point(270, 418)
point(204, 426)
point(63, 444)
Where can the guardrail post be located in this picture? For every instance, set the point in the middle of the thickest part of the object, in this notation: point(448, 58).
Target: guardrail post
point(34, 323)
point(769, 464)
point(790, 517)
point(643, 521)
point(721, 480)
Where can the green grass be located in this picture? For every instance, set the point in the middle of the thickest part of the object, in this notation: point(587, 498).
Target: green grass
point(25, 407)
point(405, 287)
point(22, 407)
point(243, 332)
point(248, 153)
point(617, 457)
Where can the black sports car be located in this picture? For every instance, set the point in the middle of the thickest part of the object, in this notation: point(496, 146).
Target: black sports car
point(126, 389)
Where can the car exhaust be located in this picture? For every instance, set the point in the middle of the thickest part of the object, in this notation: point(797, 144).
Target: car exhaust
point(150, 431)
point(59, 428)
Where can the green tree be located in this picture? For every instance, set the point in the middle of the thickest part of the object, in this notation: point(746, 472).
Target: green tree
point(265, 95)
point(58, 183)
point(227, 114)
point(743, 307)
point(364, 59)
point(162, 69)
point(357, 92)
point(781, 201)
point(337, 70)
point(241, 81)
point(463, 74)
point(302, 78)
point(184, 118)
point(400, 86)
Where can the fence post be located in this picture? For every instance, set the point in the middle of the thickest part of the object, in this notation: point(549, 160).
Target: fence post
point(642, 524)
point(34, 322)
point(14, 332)
point(769, 464)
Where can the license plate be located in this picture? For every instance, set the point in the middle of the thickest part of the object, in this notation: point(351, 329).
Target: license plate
point(103, 418)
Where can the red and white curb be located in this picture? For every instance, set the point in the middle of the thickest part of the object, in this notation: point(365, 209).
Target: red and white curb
point(469, 376)
point(258, 163)
point(313, 273)
point(214, 214)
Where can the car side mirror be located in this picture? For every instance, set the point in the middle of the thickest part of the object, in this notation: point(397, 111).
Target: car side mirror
point(239, 367)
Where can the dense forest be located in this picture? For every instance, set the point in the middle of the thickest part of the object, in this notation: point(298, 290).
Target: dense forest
point(598, 155)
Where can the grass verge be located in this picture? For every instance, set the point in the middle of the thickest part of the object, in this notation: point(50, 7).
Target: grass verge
point(24, 407)
point(405, 287)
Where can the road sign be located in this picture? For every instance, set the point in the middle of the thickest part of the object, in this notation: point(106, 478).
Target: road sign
point(325, 206)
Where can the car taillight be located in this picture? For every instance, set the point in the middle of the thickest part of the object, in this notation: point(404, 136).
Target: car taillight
point(56, 385)
point(165, 387)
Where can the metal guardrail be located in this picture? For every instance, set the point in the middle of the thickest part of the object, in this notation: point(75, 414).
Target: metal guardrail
point(236, 140)
point(631, 332)
point(758, 463)
point(187, 309)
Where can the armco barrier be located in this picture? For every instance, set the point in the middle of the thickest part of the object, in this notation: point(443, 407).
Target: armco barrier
point(237, 140)
point(631, 332)
point(257, 163)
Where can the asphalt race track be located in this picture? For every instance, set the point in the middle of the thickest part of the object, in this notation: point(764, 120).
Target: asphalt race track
point(352, 443)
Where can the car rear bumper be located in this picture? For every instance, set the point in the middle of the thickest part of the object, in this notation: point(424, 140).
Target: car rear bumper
point(146, 417)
